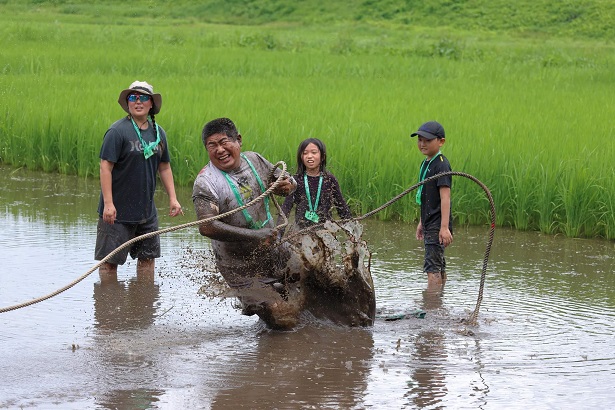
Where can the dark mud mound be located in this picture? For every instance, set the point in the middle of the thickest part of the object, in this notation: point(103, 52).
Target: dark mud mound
point(336, 281)
point(328, 275)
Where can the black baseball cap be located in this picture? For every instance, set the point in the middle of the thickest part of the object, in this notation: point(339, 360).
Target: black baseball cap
point(430, 130)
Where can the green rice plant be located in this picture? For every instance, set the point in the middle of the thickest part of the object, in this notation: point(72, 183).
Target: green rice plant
point(578, 191)
point(606, 210)
point(517, 113)
point(522, 186)
point(548, 207)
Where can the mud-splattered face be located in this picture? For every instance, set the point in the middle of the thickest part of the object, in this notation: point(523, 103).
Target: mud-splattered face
point(224, 152)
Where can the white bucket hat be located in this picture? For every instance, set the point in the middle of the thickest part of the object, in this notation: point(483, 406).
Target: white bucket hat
point(143, 88)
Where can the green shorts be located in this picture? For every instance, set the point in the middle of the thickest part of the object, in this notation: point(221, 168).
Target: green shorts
point(110, 237)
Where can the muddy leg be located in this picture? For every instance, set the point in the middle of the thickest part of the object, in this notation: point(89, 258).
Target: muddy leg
point(435, 279)
point(145, 270)
point(432, 296)
point(107, 272)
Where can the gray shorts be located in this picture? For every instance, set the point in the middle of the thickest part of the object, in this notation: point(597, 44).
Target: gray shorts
point(110, 237)
point(434, 253)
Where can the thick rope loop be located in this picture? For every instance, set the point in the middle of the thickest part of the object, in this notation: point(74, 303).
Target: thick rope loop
point(471, 320)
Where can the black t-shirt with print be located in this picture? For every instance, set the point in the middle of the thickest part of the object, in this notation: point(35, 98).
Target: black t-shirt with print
point(133, 176)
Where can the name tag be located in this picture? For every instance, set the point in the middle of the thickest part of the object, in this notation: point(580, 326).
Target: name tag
point(311, 216)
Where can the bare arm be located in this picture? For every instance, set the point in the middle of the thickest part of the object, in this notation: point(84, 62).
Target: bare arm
point(109, 211)
point(166, 176)
point(419, 231)
point(446, 237)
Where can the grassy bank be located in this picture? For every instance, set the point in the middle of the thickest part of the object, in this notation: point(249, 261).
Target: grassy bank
point(530, 116)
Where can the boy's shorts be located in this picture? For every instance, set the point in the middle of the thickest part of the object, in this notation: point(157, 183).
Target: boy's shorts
point(110, 237)
point(434, 253)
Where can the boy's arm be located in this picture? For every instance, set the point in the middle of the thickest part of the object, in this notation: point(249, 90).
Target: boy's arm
point(419, 231)
point(446, 237)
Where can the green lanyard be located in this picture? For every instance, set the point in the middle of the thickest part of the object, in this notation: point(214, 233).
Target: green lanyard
point(246, 214)
point(148, 149)
point(310, 214)
point(422, 173)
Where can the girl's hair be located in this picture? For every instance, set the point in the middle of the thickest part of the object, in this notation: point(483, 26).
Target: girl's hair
point(321, 148)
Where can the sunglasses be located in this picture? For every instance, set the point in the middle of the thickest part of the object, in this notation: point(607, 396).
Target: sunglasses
point(141, 97)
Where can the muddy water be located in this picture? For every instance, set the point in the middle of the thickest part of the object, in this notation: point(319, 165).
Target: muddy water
point(544, 339)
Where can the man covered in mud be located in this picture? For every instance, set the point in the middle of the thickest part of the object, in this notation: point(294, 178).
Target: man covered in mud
point(243, 242)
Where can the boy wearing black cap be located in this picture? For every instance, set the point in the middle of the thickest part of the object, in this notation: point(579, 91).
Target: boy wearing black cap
point(435, 226)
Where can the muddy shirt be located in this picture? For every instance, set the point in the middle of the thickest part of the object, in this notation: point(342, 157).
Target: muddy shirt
point(330, 197)
point(431, 215)
point(133, 178)
point(211, 186)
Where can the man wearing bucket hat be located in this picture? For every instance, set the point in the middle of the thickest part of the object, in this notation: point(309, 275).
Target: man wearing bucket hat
point(435, 226)
point(133, 152)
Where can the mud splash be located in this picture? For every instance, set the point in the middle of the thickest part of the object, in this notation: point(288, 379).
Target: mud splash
point(326, 277)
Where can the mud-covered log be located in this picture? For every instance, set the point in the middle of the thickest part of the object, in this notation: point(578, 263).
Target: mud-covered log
point(326, 276)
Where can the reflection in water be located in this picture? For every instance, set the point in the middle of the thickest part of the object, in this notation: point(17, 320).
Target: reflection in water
point(479, 386)
point(310, 368)
point(120, 306)
point(125, 306)
point(432, 298)
point(429, 386)
point(129, 399)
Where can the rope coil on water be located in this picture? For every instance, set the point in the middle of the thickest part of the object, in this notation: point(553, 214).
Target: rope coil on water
point(471, 320)
point(474, 315)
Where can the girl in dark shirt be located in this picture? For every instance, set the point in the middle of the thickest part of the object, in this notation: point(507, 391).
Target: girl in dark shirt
point(318, 191)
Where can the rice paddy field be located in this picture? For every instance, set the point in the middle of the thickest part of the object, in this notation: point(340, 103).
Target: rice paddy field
point(528, 114)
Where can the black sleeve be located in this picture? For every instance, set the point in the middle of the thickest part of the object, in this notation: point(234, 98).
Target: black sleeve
point(289, 201)
point(338, 200)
